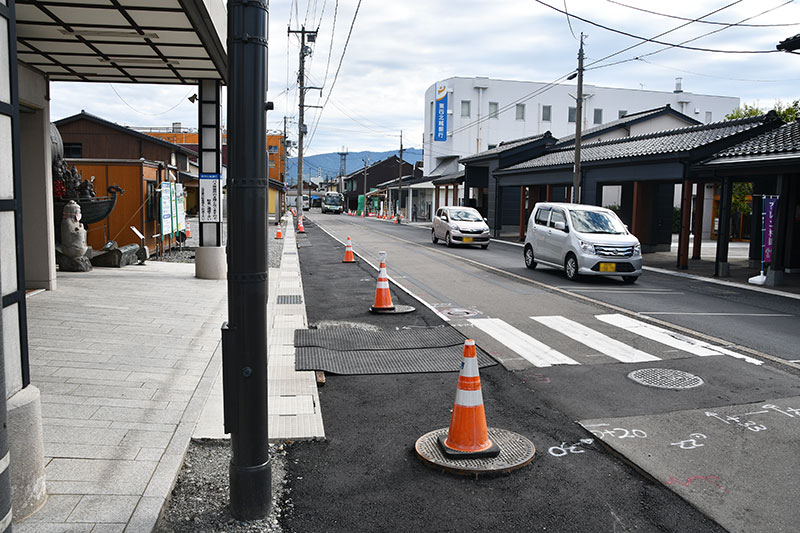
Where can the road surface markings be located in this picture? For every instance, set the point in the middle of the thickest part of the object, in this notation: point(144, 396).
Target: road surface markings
point(710, 314)
point(595, 340)
point(655, 333)
point(535, 352)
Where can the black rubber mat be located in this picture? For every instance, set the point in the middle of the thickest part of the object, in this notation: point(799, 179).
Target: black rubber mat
point(416, 360)
point(347, 339)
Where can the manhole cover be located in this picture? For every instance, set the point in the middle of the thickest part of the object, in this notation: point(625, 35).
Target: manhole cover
point(460, 312)
point(665, 378)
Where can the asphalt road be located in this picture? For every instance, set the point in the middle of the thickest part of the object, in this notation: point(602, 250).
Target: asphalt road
point(584, 347)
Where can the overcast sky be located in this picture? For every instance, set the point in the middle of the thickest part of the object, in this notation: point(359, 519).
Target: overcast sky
point(398, 49)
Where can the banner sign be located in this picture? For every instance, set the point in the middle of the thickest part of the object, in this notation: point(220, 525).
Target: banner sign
point(180, 204)
point(166, 208)
point(770, 208)
point(440, 118)
point(210, 198)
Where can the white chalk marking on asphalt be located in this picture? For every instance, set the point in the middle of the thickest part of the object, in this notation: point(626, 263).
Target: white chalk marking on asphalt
point(617, 291)
point(596, 340)
point(710, 314)
point(535, 352)
point(655, 333)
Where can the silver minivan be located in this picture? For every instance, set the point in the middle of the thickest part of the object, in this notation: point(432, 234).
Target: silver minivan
point(582, 240)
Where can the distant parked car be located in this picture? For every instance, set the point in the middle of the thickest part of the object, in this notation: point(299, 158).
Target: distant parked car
point(582, 240)
point(460, 225)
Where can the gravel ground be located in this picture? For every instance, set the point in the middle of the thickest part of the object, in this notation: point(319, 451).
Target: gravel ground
point(200, 499)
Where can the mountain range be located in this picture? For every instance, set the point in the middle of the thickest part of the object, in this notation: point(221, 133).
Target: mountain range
point(318, 167)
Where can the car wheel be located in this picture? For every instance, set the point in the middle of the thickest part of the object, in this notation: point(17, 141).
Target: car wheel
point(448, 240)
point(484, 246)
point(434, 238)
point(529, 261)
point(629, 279)
point(571, 267)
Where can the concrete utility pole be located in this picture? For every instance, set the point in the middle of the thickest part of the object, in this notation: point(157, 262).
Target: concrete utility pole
point(400, 178)
point(576, 179)
point(301, 127)
point(244, 336)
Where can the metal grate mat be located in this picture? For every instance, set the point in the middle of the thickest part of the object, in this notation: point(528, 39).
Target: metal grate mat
point(344, 339)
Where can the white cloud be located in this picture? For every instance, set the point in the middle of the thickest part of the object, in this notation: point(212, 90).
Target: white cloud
point(398, 49)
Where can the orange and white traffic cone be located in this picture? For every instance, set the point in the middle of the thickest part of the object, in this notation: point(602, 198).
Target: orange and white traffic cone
point(300, 228)
point(383, 298)
point(468, 435)
point(279, 235)
point(348, 253)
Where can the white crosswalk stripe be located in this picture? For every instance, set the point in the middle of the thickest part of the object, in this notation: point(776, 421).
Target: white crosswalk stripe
point(595, 340)
point(657, 334)
point(535, 352)
point(675, 340)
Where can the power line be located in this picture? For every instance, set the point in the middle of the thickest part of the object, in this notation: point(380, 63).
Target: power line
point(569, 22)
point(704, 21)
point(338, 68)
point(634, 36)
point(145, 112)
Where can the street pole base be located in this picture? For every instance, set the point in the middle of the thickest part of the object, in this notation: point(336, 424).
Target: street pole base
point(251, 491)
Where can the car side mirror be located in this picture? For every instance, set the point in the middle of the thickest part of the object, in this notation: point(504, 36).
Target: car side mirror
point(560, 226)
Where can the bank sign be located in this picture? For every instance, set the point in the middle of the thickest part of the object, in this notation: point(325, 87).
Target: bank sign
point(440, 113)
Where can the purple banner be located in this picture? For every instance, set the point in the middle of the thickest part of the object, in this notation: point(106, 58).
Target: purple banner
point(770, 208)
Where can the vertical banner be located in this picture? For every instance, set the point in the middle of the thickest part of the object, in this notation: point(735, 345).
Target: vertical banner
point(210, 198)
point(440, 111)
point(166, 208)
point(770, 208)
point(180, 206)
point(174, 194)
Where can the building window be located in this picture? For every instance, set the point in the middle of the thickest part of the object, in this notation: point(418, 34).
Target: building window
point(708, 117)
point(598, 116)
point(493, 109)
point(547, 113)
point(571, 114)
point(73, 150)
point(622, 113)
point(272, 148)
point(520, 111)
point(152, 201)
point(465, 108)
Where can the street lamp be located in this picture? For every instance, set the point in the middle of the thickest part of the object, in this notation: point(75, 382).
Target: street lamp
point(790, 45)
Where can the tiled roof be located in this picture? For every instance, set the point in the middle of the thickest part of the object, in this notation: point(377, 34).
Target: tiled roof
point(781, 140)
point(648, 144)
point(627, 119)
point(503, 146)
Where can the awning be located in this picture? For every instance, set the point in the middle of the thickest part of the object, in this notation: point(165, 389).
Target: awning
point(133, 41)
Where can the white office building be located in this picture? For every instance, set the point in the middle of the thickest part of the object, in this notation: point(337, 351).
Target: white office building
point(482, 112)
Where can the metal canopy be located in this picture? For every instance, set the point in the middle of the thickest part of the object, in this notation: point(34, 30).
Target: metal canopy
point(122, 41)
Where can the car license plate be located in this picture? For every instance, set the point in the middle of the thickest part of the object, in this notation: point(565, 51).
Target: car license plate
point(608, 267)
point(467, 239)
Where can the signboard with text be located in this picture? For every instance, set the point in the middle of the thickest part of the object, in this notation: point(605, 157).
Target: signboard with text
point(210, 198)
point(440, 113)
point(180, 204)
point(770, 208)
point(166, 208)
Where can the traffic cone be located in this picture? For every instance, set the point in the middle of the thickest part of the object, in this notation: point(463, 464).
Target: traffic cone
point(279, 235)
point(348, 252)
point(397, 219)
point(468, 435)
point(300, 228)
point(383, 298)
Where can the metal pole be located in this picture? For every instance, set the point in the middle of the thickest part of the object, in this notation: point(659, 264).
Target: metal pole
point(5, 473)
point(576, 179)
point(400, 179)
point(364, 212)
point(244, 336)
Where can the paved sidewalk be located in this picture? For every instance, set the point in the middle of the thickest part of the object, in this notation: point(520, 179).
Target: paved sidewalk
point(126, 360)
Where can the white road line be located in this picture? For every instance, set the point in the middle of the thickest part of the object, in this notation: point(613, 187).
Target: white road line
point(595, 340)
point(616, 291)
point(658, 334)
point(535, 352)
point(710, 314)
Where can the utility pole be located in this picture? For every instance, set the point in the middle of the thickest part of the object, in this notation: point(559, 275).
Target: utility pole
point(301, 126)
point(576, 179)
point(366, 162)
point(280, 210)
point(244, 336)
point(400, 179)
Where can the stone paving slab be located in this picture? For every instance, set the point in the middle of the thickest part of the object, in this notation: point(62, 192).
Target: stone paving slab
point(718, 458)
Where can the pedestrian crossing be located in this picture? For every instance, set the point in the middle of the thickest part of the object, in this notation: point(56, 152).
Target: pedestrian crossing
point(540, 354)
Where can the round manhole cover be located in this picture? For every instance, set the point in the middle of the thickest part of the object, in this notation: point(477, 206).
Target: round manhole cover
point(665, 378)
point(460, 312)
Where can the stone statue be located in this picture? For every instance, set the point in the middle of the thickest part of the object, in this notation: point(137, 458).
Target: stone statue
point(73, 241)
